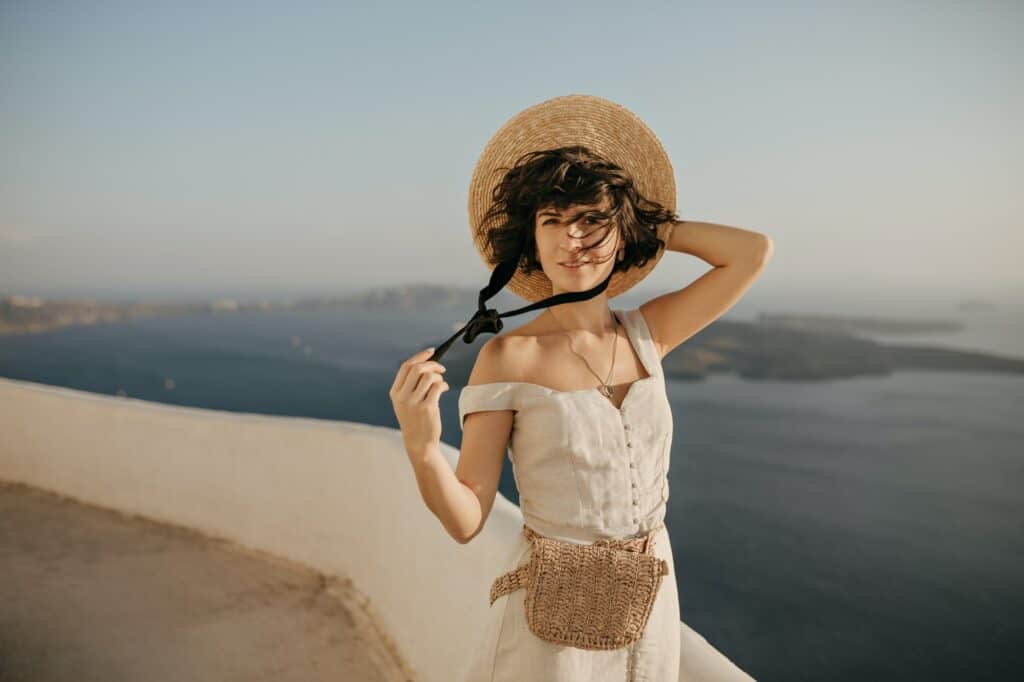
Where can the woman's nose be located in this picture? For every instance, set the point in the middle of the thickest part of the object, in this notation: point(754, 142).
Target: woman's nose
point(575, 235)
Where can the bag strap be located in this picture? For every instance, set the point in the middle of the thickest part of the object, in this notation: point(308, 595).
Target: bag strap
point(511, 581)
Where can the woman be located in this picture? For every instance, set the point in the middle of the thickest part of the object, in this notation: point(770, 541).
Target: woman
point(581, 214)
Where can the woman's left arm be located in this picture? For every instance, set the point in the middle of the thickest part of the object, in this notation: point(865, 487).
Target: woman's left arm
point(719, 244)
point(738, 256)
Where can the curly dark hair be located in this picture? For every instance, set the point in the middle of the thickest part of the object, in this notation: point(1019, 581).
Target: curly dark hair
point(559, 178)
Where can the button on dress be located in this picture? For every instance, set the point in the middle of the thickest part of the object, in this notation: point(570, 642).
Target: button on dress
point(587, 470)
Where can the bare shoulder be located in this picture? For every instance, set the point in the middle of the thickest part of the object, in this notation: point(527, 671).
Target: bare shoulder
point(492, 363)
point(502, 357)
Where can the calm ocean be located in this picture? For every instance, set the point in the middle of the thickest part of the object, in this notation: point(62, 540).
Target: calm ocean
point(849, 530)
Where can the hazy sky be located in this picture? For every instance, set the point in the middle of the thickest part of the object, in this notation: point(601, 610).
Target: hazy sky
point(246, 150)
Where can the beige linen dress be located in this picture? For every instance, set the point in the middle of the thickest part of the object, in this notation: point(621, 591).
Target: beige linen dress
point(587, 470)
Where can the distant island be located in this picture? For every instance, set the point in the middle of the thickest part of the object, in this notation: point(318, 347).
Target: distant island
point(841, 324)
point(33, 315)
point(776, 346)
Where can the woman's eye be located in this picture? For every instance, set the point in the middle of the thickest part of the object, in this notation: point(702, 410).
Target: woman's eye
point(589, 220)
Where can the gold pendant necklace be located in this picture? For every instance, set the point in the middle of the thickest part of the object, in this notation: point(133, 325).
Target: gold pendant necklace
point(605, 388)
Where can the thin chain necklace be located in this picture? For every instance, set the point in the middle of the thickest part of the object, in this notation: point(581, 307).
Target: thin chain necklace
point(605, 387)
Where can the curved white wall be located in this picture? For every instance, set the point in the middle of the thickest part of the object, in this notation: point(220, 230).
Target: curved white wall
point(339, 497)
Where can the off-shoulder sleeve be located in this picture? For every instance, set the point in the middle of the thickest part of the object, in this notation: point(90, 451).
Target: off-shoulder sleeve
point(481, 397)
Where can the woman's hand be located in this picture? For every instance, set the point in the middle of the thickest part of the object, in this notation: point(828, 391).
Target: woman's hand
point(414, 394)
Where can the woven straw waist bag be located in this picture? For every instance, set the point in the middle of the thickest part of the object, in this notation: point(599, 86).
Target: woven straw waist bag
point(588, 596)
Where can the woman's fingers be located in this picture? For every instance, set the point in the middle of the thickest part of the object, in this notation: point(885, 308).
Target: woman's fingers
point(410, 372)
point(427, 382)
point(403, 369)
point(420, 377)
point(436, 389)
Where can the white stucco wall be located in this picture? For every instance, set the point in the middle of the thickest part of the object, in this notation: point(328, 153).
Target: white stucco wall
point(339, 497)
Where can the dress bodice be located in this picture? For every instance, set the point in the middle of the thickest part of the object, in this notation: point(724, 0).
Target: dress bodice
point(585, 469)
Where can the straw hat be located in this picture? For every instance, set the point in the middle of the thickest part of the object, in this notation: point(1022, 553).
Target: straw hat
point(606, 128)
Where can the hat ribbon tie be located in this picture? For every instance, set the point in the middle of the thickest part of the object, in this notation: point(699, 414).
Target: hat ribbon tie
point(488, 320)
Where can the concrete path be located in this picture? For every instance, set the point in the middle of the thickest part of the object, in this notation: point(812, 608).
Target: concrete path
point(91, 594)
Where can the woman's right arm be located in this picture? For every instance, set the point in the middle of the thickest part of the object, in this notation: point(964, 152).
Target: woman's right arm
point(453, 502)
point(461, 499)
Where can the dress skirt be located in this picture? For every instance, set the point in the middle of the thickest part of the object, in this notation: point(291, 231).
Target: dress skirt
point(668, 651)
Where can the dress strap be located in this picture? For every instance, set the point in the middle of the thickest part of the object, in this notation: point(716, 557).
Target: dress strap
point(643, 341)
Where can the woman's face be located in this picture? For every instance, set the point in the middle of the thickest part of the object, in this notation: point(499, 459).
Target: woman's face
point(560, 241)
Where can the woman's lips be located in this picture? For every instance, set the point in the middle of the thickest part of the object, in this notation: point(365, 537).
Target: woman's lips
point(574, 267)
